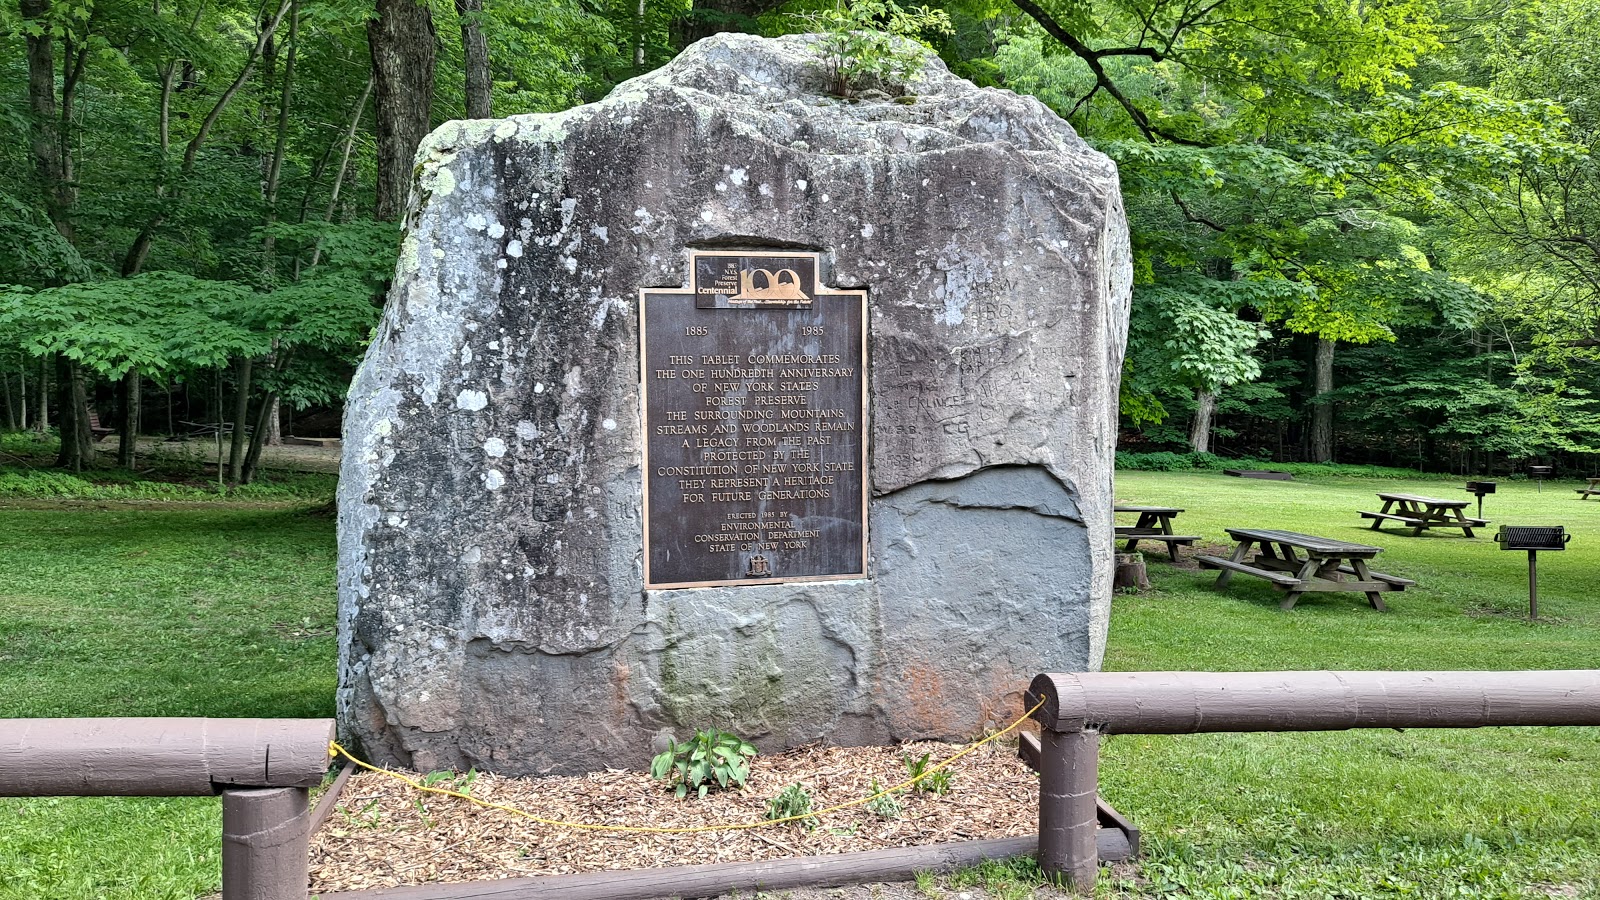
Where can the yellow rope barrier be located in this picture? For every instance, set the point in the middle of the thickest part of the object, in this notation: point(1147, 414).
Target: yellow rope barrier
point(336, 751)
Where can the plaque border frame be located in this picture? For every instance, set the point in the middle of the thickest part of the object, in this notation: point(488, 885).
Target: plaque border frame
point(644, 423)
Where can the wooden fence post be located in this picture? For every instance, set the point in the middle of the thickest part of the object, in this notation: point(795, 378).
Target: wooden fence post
point(266, 834)
point(1069, 779)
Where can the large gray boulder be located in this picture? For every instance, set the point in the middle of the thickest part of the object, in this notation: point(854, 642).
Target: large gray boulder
point(492, 609)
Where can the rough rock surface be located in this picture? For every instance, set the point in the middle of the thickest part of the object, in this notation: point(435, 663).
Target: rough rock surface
point(491, 603)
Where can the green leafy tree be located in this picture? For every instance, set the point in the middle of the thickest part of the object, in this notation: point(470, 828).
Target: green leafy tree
point(1189, 337)
point(1289, 149)
point(159, 322)
point(1540, 213)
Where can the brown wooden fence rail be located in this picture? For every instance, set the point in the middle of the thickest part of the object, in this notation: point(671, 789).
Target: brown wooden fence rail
point(263, 768)
point(1079, 708)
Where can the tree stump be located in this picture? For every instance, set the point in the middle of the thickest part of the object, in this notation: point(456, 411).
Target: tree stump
point(1130, 572)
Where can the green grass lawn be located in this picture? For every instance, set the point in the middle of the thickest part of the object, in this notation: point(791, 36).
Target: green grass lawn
point(152, 610)
point(227, 610)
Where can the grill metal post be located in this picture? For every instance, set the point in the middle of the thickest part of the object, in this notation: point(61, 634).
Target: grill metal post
point(1533, 585)
point(1479, 488)
point(1539, 473)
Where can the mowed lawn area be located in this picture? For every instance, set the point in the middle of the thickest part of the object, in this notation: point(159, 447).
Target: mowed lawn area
point(152, 609)
point(212, 609)
point(1499, 812)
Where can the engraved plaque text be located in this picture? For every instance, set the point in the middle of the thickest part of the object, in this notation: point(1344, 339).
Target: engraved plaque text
point(755, 424)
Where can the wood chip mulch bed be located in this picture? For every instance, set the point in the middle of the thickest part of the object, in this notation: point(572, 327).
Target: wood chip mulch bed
point(382, 833)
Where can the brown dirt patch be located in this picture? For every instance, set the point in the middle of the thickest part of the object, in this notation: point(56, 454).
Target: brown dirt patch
point(380, 835)
point(203, 452)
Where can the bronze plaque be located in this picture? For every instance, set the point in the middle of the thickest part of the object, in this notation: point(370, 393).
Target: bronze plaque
point(755, 424)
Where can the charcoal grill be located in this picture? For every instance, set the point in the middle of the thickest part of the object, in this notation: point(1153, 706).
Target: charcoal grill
point(1539, 474)
point(1533, 538)
point(1480, 488)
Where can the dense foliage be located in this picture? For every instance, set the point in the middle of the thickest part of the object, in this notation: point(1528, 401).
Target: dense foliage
point(1369, 231)
point(1384, 180)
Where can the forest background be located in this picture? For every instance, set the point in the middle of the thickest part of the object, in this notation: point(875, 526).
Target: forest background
point(1366, 229)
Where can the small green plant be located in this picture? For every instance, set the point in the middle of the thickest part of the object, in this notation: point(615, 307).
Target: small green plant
point(710, 758)
point(1002, 879)
point(873, 43)
point(792, 801)
point(450, 781)
point(885, 807)
point(366, 817)
point(444, 780)
point(934, 783)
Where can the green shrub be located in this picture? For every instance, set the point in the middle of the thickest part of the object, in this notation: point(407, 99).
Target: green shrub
point(873, 43)
point(120, 484)
point(709, 758)
point(28, 443)
point(1167, 461)
point(1164, 461)
point(1347, 470)
point(791, 802)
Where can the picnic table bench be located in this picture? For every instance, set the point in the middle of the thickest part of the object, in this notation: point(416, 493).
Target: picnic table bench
point(1422, 513)
point(1296, 563)
point(208, 430)
point(1591, 490)
point(1155, 524)
point(97, 430)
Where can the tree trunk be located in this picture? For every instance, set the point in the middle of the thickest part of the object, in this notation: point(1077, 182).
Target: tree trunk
point(1130, 573)
point(274, 423)
point(401, 40)
point(475, 54)
point(41, 419)
point(241, 410)
point(7, 401)
point(274, 168)
point(1205, 408)
point(77, 443)
point(46, 141)
point(252, 459)
point(638, 40)
point(21, 422)
point(1321, 410)
point(128, 446)
point(344, 165)
point(43, 140)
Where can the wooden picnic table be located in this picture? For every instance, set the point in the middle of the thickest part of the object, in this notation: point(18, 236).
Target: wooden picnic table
point(1296, 563)
point(1422, 513)
point(1155, 524)
point(1585, 493)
